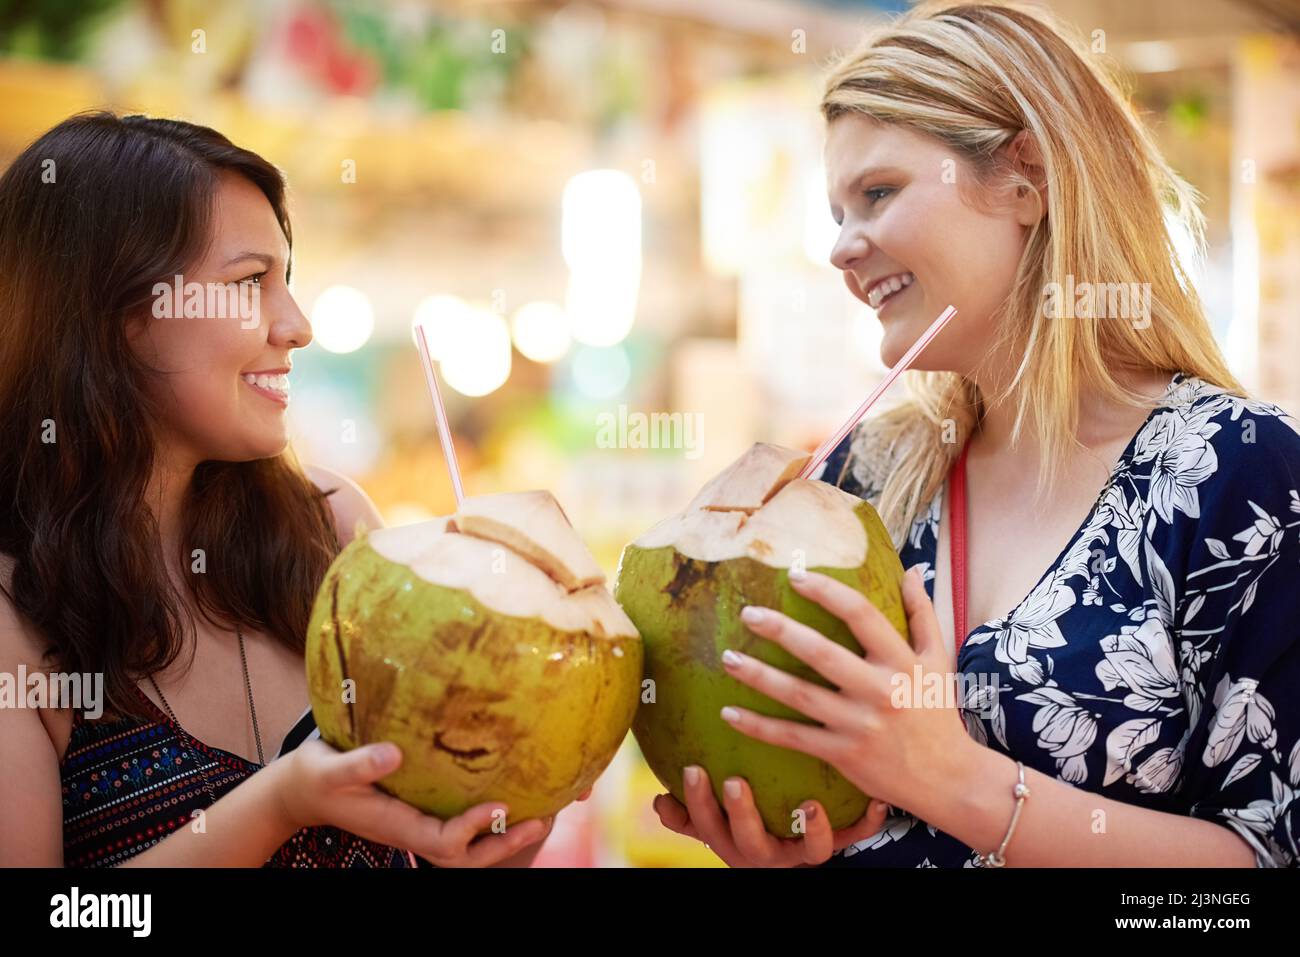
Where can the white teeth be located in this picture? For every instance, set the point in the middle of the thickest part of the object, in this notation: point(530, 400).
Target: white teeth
point(272, 383)
point(885, 287)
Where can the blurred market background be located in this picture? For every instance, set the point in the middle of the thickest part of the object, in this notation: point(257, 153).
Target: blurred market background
point(606, 210)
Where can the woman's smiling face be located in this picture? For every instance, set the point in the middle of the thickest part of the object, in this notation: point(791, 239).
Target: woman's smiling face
point(910, 244)
point(222, 386)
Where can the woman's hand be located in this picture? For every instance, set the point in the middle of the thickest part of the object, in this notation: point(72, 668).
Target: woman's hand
point(878, 729)
point(739, 837)
point(319, 785)
point(891, 749)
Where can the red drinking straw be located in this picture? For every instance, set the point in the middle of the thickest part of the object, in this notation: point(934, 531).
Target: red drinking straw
point(829, 446)
point(444, 428)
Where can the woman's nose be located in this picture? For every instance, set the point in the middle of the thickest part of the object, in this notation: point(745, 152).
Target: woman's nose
point(291, 328)
point(849, 250)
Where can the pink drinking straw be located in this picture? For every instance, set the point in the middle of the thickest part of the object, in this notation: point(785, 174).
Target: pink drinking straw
point(444, 428)
point(829, 446)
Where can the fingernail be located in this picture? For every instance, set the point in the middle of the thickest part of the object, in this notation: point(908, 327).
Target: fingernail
point(751, 615)
point(691, 775)
point(810, 813)
point(730, 714)
point(798, 575)
point(731, 659)
point(732, 787)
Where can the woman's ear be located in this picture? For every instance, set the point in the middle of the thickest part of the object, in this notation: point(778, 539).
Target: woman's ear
point(1023, 157)
point(137, 329)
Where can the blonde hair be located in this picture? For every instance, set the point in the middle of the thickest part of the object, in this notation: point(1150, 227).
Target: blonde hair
point(974, 76)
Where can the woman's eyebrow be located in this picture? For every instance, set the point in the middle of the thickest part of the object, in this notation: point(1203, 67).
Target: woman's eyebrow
point(867, 172)
point(266, 260)
point(870, 172)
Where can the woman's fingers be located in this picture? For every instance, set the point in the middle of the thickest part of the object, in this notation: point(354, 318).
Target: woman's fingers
point(795, 735)
point(387, 820)
point(457, 832)
point(922, 622)
point(363, 765)
point(840, 666)
point(673, 816)
point(810, 843)
point(808, 699)
point(709, 821)
point(818, 840)
point(746, 841)
point(458, 842)
point(747, 830)
point(874, 632)
point(870, 823)
point(495, 848)
point(348, 779)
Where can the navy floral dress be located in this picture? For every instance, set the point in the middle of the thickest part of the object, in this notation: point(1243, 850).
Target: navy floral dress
point(1158, 661)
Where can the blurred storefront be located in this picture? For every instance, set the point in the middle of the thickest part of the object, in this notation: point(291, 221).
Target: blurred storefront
point(611, 208)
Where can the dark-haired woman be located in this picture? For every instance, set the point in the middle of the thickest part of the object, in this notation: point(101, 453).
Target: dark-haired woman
point(156, 530)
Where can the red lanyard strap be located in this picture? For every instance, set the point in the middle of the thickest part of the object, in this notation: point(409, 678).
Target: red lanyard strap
point(957, 548)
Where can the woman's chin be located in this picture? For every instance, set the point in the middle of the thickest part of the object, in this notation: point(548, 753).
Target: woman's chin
point(894, 345)
point(900, 334)
point(263, 447)
point(275, 448)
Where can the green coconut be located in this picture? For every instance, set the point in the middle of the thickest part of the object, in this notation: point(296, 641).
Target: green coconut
point(486, 645)
point(683, 585)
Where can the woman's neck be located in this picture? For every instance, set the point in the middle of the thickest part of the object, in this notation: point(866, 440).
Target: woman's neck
point(1101, 420)
point(165, 496)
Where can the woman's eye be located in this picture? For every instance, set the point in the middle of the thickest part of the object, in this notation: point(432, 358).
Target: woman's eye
point(255, 279)
point(877, 193)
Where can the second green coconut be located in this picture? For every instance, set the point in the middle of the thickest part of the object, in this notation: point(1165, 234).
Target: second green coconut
point(684, 583)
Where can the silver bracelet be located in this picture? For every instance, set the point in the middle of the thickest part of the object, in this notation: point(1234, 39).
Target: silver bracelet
point(1020, 791)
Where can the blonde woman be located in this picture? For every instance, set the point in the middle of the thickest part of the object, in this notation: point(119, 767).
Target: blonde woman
point(1107, 528)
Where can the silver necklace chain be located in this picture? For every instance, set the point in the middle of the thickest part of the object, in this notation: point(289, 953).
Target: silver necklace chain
point(252, 710)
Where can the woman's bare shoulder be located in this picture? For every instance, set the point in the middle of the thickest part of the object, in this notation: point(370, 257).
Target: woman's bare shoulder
point(352, 507)
point(23, 651)
point(19, 643)
point(29, 828)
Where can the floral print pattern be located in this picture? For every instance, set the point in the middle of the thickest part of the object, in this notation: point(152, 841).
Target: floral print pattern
point(1155, 662)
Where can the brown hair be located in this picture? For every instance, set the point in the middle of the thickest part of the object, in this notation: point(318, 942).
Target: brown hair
point(92, 214)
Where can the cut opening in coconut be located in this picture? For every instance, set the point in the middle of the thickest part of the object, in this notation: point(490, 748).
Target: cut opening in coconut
point(533, 525)
point(517, 554)
point(748, 483)
point(757, 508)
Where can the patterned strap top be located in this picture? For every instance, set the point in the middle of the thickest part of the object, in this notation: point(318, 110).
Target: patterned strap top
point(127, 784)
